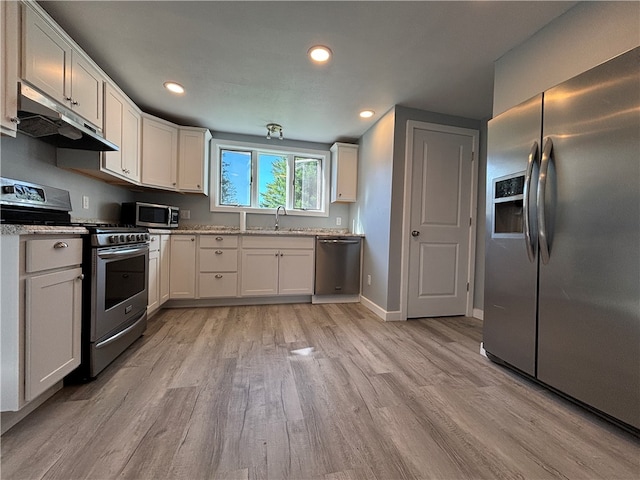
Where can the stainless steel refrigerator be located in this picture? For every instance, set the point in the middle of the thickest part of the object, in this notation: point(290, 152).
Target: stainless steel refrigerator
point(562, 286)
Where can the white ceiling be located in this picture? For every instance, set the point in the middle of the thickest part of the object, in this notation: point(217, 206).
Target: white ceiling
point(244, 64)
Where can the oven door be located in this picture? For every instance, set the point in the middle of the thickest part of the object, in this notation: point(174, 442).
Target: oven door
point(119, 288)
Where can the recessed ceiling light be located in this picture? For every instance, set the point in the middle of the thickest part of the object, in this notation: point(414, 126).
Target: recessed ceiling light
point(174, 87)
point(319, 53)
point(367, 113)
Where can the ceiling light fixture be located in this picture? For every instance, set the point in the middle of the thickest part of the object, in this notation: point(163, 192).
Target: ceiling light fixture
point(174, 87)
point(274, 128)
point(367, 113)
point(319, 53)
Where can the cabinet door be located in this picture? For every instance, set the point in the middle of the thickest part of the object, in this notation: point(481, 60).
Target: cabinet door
point(114, 107)
point(154, 281)
point(9, 67)
point(259, 272)
point(47, 57)
point(296, 272)
point(344, 172)
point(130, 146)
point(86, 89)
point(165, 256)
point(182, 277)
point(193, 160)
point(159, 154)
point(52, 329)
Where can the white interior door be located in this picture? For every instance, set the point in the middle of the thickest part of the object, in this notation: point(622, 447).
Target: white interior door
point(440, 223)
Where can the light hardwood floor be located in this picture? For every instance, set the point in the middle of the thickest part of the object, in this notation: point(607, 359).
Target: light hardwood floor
point(311, 392)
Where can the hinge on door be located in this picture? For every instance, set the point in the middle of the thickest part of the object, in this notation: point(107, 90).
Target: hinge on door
point(467, 286)
point(470, 221)
point(473, 156)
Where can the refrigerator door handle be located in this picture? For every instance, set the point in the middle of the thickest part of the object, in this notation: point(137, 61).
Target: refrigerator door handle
point(542, 184)
point(533, 158)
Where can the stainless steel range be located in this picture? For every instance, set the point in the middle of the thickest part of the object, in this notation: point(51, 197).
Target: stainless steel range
point(116, 301)
point(115, 267)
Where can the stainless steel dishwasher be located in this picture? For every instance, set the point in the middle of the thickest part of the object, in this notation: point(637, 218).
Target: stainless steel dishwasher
point(338, 265)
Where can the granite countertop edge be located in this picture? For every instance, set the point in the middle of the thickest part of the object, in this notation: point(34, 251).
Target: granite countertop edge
point(11, 229)
point(221, 230)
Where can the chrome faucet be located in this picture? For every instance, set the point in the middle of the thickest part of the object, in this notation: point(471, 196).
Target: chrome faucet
point(278, 213)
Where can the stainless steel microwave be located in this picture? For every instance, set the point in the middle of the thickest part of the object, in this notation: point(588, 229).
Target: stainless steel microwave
point(149, 215)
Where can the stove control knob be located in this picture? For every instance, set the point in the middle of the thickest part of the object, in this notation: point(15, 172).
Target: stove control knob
point(113, 239)
point(122, 238)
point(146, 236)
point(129, 238)
point(138, 237)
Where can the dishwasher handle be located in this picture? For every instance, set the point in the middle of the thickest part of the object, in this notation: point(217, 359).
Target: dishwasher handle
point(341, 242)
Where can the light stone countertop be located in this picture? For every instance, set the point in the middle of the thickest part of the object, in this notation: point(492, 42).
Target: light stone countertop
point(10, 229)
point(292, 232)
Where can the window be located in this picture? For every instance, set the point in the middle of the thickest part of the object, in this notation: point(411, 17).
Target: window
point(257, 179)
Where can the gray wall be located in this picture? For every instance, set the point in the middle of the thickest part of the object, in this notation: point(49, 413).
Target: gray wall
point(585, 36)
point(25, 158)
point(371, 214)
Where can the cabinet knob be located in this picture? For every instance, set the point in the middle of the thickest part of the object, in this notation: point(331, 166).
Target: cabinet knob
point(60, 245)
point(218, 252)
point(68, 99)
point(281, 254)
point(76, 103)
point(218, 276)
point(193, 239)
point(80, 277)
point(198, 186)
point(174, 184)
point(15, 120)
point(219, 239)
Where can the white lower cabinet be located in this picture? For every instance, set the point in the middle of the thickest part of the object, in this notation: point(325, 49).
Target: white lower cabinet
point(41, 314)
point(165, 266)
point(182, 281)
point(52, 329)
point(218, 266)
point(285, 268)
point(153, 287)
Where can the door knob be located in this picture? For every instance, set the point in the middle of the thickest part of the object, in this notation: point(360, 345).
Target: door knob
point(415, 233)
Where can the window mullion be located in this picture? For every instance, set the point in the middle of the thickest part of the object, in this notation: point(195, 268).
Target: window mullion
point(254, 179)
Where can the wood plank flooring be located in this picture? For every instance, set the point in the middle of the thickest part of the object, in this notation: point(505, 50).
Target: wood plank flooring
point(311, 392)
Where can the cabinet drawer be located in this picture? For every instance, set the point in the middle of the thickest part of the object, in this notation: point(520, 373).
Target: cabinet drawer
point(216, 241)
point(218, 285)
point(52, 253)
point(218, 260)
point(277, 241)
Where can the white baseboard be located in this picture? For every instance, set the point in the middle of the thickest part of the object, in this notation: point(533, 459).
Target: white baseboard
point(479, 314)
point(482, 350)
point(393, 316)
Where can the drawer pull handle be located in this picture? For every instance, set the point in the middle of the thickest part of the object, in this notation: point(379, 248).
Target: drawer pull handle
point(60, 245)
point(218, 276)
point(219, 239)
point(218, 252)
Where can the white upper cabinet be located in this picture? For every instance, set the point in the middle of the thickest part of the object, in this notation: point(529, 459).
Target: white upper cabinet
point(159, 153)
point(51, 63)
point(9, 67)
point(193, 159)
point(344, 172)
point(122, 126)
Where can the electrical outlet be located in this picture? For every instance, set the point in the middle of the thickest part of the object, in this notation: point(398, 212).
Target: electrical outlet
point(338, 221)
point(185, 214)
point(368, 279)
point(85, 202)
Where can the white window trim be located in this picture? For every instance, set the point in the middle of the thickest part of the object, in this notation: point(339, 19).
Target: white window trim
point(324, 155)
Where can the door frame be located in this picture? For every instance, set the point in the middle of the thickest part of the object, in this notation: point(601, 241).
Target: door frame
point(413, 125)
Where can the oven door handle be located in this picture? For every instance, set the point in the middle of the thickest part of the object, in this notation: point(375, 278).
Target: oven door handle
point(129, 252)
point(109, 340)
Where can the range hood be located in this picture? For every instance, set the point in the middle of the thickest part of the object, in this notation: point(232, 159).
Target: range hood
point(42, 118)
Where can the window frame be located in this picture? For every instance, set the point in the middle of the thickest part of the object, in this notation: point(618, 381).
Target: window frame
point(291, 152)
